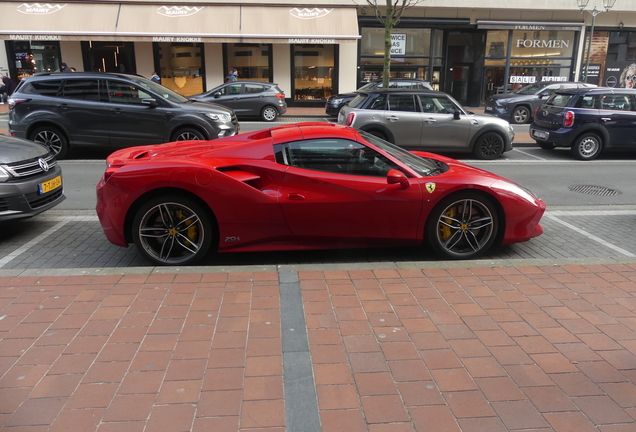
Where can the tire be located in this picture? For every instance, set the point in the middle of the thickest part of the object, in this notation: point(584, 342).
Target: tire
point(187, 134)
point(172, 230)
point(520, 115)
point(488, 146)
point(545, 145)
point(269, 114)
point(465, 236)
point(587, 147)
point(52, 138)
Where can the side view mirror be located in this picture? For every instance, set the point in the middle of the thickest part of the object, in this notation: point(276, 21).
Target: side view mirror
point(542, 95)
point(456, 115)
point(217, 95)
point(394, 177)
point(151, 102)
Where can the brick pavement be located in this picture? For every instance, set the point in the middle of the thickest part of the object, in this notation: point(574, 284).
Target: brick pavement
point(435, 349)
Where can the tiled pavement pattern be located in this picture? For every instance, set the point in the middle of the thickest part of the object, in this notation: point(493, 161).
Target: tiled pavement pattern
point(548, 348)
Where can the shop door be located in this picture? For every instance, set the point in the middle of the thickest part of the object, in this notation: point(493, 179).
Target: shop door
point(493, 82)
point(460, 81)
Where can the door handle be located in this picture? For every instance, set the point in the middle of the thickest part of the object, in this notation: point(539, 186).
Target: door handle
point(117, 110)
point(63, 106)
point(430, 120)
point(606, 118)
point(393, 118)
point(296, 197)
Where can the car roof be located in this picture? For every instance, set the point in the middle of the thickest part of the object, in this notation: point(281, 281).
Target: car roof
point(400, 90)
point(84, 75)
point(595, 90)
point(249, 82)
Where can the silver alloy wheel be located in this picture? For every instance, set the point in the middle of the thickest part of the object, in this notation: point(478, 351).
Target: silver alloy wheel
point(171, 233)
point(188, 135)
point(49, 139)
point(269, 114)
point(520, 115)
point(465, 228)
point(588, 147)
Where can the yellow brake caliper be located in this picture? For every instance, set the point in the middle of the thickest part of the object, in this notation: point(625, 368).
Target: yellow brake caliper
point(445, 229)
point(193, 231)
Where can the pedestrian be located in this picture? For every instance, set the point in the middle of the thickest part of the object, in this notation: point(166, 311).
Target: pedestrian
point(155, 78)
point(64, 68)
point(9, 87)
point(234, 75)
point(3, 94)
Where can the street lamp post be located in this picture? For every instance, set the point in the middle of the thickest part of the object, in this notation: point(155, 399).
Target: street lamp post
point(607, 4)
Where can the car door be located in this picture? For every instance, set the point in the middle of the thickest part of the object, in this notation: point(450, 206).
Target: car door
point(83, 104)
point(230, 95)
point(252, 99)
point(618, 115)
point(336, 191)
point(404, 119)
point(130, 122)
point(440, 128)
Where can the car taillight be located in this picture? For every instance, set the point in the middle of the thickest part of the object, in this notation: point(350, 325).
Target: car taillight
point(110, 170)
point(534, 114)
point(568, 119)
point(350, 118)
point(14, 101)
point(280, 95)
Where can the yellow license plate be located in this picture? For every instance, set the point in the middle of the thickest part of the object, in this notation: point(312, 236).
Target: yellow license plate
point(50, 185)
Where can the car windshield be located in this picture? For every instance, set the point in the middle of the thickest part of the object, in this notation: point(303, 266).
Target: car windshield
point(530, 89)
point(423, 166)
point(165, 92)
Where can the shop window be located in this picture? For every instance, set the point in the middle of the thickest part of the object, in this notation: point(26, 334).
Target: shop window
point(314, 67)
point(251, 61)
point(546, 44)
point(180, 66)
point(109, 57)
point(29, 58)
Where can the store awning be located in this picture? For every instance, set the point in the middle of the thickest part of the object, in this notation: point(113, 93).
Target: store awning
point(155, 23)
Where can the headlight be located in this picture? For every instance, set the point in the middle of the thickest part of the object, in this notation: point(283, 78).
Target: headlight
point(336, 101)
point(504, 101)
point(517, 189)
point(218, 117)
point(4, 175)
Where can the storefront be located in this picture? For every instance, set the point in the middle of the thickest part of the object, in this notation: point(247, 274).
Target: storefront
point(522, 53)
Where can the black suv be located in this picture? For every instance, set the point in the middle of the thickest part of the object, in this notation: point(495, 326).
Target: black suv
point(110, 110)
point(519, 106)
point(587, 120)
point(334, 103)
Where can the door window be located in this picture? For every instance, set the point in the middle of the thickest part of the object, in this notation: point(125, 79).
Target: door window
point(441, 105)
point(616, 102)
point(44, 88)
point(254, 88)
point(402, 103)
point(231, 89)
point(120, 92)
point(334, 155)
point(82, 90)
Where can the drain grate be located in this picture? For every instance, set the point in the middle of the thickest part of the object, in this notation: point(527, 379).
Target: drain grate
point(594, 190)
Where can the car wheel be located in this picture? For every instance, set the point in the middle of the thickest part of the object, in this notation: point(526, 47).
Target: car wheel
point(545, 145)
point(187, 134)
point(269, 113)
point(587, 147)
point(520, 115)
point(52, 138)
point(489, 146)
point(172, 230)
point(462, 226)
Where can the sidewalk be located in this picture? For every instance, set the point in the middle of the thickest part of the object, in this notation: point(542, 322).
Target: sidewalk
point(542, 348)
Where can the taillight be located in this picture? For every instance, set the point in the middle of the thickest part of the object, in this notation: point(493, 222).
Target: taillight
point(110, 170)
point(14, 101)
point(568, 119)
point(350, 118)
point(534, 114)
point(280, 95)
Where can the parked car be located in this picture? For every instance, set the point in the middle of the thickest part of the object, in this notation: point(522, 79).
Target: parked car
point(305, 186)
point(334, 103)
point(30, 179)
point(427, 120)
point(248, 99)
point(518, 107)
point(589, 121)
point(109, 110)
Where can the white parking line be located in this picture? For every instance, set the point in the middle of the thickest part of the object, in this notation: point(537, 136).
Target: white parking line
point(528, 154)
point(588, 235)
point(4, 261)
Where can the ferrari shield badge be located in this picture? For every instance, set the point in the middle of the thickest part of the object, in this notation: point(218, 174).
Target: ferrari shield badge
point(430, 187)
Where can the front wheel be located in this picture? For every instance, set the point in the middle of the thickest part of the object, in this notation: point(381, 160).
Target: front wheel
point(520, 115)
point(53, 139)
point(462, 226)
point(489, 146)
point(587, 147)
point(172, 230)
point(269, 114)
point(187, 134)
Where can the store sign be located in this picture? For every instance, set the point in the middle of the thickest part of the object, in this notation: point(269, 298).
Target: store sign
point(553, 78)
point(28, 37)
point(542, 43)
point(398, 44)
point(178, 11)
point(39, 9)
point(307, 13)
point(175, 39)
point(525, 79)
point(311, 41)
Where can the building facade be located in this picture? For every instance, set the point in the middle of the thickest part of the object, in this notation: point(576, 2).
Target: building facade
point(313, 51)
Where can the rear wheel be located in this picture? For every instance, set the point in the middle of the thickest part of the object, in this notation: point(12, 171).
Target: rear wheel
point(545, 145)
point(269, 113)
point(462, 226)
point(489, 146)
point(187, 134)
point(172, 230)
point(52, 138)
point(587, 147)
point(520, 115)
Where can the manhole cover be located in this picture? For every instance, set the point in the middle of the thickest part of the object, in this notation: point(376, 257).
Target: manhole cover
point(594, 190)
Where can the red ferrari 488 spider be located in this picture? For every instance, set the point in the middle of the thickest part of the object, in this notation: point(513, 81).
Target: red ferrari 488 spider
point(305, 186)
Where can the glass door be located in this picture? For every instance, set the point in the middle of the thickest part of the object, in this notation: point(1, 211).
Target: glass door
point(460, 82)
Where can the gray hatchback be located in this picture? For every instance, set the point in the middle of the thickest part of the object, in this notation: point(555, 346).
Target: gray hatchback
point(30, 179)
point(427, 120)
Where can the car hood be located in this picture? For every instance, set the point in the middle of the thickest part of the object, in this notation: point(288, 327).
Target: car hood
point(344, 95)
point(200, 106)
point(16, 150)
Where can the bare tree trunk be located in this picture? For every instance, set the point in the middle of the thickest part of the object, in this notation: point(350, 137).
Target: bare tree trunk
point(388, 27)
